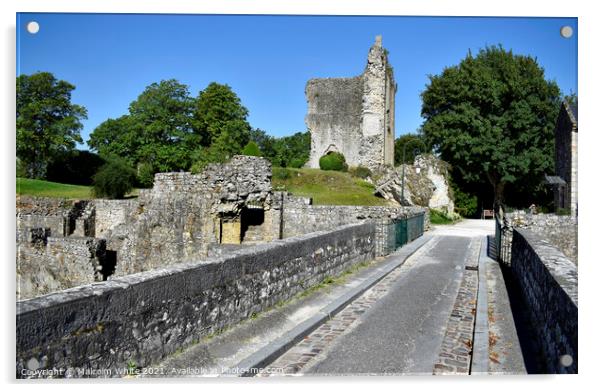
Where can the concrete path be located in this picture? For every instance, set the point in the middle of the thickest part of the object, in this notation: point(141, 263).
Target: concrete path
point(225, 353)
point(402, 330)
point(400, 324)
point(402, 333)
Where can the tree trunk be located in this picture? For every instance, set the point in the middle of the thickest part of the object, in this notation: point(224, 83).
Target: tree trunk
point(498, 194)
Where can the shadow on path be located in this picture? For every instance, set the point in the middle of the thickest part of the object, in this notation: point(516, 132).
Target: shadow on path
point(527, 335)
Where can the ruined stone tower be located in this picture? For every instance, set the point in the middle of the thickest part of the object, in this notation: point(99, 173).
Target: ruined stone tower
point(354, 116)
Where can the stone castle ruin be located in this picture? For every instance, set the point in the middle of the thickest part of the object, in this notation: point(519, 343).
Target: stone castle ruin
point(354, 116)
point(184, 218)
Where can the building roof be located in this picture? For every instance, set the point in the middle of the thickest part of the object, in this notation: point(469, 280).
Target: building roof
point(555, 180)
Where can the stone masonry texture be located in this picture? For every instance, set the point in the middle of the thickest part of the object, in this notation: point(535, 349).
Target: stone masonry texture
point(354, 116)
point(548, 281)
point(184, 217)
point(560, 230)
point(144, 317)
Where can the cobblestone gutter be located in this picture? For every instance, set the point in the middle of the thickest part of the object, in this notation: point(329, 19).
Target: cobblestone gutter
point(456, 351)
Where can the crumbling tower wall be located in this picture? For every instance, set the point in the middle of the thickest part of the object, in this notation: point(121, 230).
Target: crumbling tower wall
point(354, 116)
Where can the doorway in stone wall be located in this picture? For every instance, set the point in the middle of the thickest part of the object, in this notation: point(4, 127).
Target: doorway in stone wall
point(252, 220)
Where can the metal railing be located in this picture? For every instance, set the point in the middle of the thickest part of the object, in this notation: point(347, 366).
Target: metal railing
point(395, 233)
point(503, 239)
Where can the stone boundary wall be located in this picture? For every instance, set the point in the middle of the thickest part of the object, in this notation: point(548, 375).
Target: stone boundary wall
point(35, 212)
point(300, 217)
point(143, 317)
point(548, 281)
point(561, 230)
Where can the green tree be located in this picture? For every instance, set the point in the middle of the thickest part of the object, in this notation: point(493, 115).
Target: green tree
point(220, 125)
point(265, 142)
point(414, 142)
point(48, 124)
point(158, 129)
point(292, 150)
point(492, 117)
point(117, 137)
point(218, 110)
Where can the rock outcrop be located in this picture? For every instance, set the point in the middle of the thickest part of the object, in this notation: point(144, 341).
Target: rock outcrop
point(425, 184)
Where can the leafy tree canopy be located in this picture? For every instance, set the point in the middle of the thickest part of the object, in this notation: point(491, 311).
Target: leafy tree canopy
point(414, 145)
point(218, 110)
point(158, 131)
point(48, 124)
point(492, 117)
point(286, 151)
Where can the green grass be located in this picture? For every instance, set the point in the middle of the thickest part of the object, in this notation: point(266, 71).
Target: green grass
point(27, 186)
point(326, 187)
point(439, 218)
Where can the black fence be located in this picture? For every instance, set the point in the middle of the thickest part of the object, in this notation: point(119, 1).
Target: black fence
point(395, 233)
point(503, 240)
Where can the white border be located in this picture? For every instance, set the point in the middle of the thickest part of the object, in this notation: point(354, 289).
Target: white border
point(590, 89)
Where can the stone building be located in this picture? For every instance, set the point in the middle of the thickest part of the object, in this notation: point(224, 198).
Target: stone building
point(565, 181)
point(354, 116)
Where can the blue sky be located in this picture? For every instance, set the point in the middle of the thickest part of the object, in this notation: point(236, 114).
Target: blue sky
point(267, 60)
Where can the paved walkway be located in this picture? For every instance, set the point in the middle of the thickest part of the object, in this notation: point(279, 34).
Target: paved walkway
point(419, 320)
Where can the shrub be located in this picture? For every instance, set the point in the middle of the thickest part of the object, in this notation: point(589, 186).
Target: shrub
point(297, 163)
point(439, 217)
point(466, 204)
point(251, 149)
point(145, 175)
point(333, 161)
point(360, 172)
point(280, 173)
point(114, 179)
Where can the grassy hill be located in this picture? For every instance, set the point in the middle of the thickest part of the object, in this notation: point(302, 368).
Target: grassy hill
point(326, 187)
point(26, 186)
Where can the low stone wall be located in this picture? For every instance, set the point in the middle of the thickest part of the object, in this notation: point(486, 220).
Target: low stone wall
point(35, 212)
point(560, 230)
point(301, 217)
point(57, 263)
point(548, 281)
point(141, 318)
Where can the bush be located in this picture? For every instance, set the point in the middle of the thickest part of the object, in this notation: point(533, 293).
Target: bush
point(333, 161)
point(146, 175)
point(439, 217)
point(465, 203)
point(251, 149)
point(114, 179)
point(360, 172)
point(297, 163)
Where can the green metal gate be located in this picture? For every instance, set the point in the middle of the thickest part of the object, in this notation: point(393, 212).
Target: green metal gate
point(399, 232)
